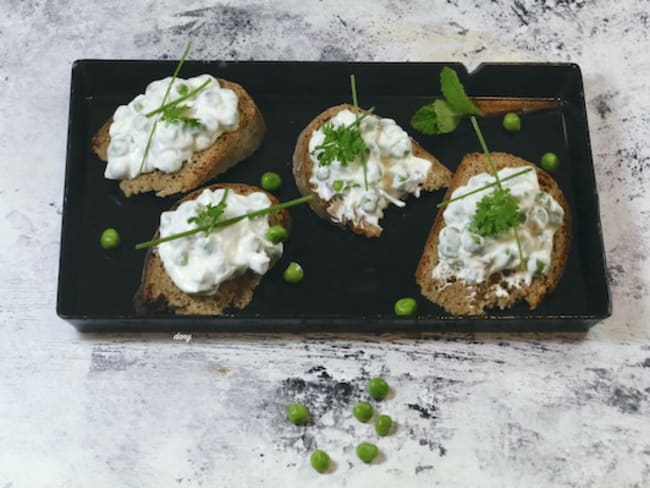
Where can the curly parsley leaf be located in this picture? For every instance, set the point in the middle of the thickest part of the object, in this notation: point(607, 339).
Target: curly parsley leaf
point(179, 114)
point(454, 93)
point(496, 213)
point(342, 143)
point(209, 215)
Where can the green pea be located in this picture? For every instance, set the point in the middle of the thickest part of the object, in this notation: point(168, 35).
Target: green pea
point(511, 122)
point(383, 425)
point(320, 461)
point(271, 181)
point(109, 239)
point(362, 411)
point(367, 452)
point(182, 89)
point(337, 185)
point(550, 161)
point(294, 273)
point(405, 306)
point(297, 414)
point(378, 388)
point(276, 234)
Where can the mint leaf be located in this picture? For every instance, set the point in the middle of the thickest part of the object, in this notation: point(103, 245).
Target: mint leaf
point(425, 120)
point(447, 118)
point(455, 94)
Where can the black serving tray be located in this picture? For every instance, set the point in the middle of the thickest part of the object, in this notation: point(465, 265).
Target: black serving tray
point(351, 282)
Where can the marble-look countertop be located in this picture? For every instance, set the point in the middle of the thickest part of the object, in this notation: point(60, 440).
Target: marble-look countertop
point(488, 410)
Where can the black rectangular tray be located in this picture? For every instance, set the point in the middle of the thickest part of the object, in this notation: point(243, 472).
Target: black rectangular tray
point(351, 282)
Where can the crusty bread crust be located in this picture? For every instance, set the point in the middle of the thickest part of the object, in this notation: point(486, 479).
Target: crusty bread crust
point(229, 149)
point(438, 176)
point(460, 298)
point(157, 293)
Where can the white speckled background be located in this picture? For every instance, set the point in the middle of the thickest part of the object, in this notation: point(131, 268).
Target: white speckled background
point(472, 411)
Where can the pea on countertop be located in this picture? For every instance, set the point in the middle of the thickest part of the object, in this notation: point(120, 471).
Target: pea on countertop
point(362, 411)
point(378, 388)
point(320, 460)
point(298, 414)
point(367, 452)
point(383, 425)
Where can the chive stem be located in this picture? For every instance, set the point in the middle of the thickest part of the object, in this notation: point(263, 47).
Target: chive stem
point(227, 222)
point(155, 124)
point(173, 103)
point(489, 185)
point(357, 121)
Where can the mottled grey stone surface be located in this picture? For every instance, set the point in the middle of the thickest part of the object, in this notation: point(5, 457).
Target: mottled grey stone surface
point(475, 411)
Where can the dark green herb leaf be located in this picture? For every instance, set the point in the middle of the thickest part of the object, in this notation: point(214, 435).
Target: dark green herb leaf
point(342, 143)
point(208, 216)
point(178, 114)
point(426, 120)
point(496, 213)
point(454, 93)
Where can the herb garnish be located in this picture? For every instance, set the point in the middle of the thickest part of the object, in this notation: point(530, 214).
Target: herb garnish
point(208, 216)
point(179, 114)
point(155, 124)
point(210, 226)
point(498, 211)
point(172, 112)
point(344, 143)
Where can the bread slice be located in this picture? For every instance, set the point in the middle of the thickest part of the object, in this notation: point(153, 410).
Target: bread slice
point(461, 298)
point(157, 293)
point(438, 177)
point(228, 150)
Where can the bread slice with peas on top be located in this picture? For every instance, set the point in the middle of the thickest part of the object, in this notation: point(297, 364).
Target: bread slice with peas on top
point(201, 137)
point(206, 273)
point(354, 193)
point(465, 272)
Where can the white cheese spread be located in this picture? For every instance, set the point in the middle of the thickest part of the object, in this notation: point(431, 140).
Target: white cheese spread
point(392, 171)
point(473, 258)
point(173, 143)
point(199, 263)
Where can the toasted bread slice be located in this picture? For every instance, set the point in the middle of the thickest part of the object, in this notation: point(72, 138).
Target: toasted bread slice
point(438, 177)
point(461, 298)
point(157, 293)
point(229, 149)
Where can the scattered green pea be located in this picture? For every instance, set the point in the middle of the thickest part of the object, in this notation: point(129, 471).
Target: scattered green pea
point(378, 388)
point(337, 185)
point(362, 411)
point(383, 425)
point(367, 452)
point(109, 239)
point(297, 414)
point(271, 181)
point(320, 461)
point(182, 89)
point(511, 122)
point(550, 161)
point(276, 234)
point(405, 306)
point(294, 273)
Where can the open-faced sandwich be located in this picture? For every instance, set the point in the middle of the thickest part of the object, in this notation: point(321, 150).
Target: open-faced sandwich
point(179, 134)
point(356, 164)
point(208, 255)
point(495, 244)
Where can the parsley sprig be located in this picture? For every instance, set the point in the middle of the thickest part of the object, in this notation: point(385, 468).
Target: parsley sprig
point(498, 211)
point(344, 143)
point(210, 226)
point(207, 216)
